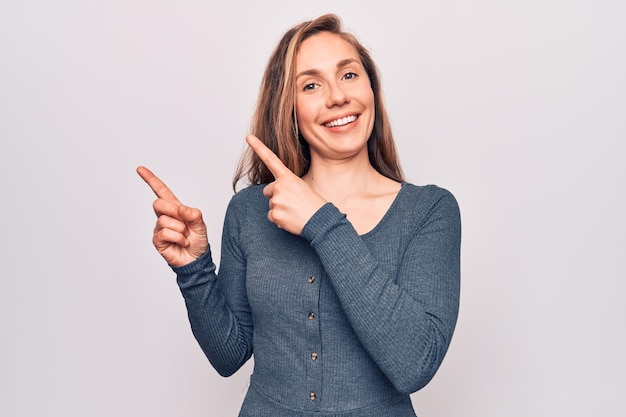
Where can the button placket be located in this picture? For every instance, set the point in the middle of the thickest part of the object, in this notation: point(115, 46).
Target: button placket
point(311, 297)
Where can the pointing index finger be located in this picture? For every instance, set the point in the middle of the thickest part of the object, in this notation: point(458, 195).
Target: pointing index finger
point(158, 187)
point(269, 158)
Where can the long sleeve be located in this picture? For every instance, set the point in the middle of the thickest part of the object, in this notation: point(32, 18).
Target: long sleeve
point(405, 317)
point(217, 307)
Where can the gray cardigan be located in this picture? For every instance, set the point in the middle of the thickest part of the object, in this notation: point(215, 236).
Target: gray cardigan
point(340, 324)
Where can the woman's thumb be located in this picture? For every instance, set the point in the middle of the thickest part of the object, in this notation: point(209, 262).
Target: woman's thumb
point(193, 218)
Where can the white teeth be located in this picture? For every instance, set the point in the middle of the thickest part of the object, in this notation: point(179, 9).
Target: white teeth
point(341, 122)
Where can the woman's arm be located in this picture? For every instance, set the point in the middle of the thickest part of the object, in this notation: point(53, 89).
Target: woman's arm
point(405, 321)
point(217, 307)
point(219, 314)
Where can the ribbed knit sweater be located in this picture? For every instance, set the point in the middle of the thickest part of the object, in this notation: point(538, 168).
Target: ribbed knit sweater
point(340, 324)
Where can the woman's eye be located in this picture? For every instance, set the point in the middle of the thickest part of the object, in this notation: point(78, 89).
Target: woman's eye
point(310, 86)
point(350, 76)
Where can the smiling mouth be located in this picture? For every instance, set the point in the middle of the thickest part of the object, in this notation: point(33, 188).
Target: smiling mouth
point(342, 122)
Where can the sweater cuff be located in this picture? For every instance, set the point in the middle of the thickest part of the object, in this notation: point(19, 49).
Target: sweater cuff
point(194, 266)
point(324, 219)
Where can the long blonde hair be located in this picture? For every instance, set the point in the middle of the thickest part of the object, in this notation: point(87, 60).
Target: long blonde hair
point(274, 120)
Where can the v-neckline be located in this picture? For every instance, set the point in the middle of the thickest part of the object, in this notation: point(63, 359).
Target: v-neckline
point(387, 213)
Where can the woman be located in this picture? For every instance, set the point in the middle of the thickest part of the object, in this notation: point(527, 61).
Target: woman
point(342, 278)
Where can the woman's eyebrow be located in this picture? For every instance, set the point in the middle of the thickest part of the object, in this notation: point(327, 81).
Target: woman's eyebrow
point(346, 62)
point(307, 72)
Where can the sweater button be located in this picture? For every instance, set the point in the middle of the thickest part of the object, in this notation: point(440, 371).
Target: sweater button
point(314, 356)
point(312, 396)
point(311, 280)
point(311, 316)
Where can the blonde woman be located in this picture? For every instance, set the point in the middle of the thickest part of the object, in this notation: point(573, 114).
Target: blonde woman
point(341, 277)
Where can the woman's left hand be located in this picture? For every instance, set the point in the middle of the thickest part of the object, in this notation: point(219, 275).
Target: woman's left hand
point(291, 201)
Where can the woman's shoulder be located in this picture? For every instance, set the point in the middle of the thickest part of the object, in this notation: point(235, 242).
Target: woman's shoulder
point(247, 205)
point(428, 193)
point(426, 200)
point(248, 195)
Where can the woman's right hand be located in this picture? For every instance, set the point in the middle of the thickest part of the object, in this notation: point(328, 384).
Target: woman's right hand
point(180, 233)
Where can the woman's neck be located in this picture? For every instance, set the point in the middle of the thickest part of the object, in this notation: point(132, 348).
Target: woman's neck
point(339, 180)
point(357, 190)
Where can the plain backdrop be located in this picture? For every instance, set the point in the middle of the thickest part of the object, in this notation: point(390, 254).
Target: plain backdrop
point(518, 108)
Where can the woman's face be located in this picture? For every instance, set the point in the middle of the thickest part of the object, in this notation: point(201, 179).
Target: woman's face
point(334, 98)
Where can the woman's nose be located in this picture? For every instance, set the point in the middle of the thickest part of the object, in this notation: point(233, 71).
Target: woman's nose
point(337, 95)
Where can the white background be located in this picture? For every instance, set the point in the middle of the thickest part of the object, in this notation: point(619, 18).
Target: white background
point(518, 108)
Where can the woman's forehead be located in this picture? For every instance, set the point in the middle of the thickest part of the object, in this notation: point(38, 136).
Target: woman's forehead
point(324, 49)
